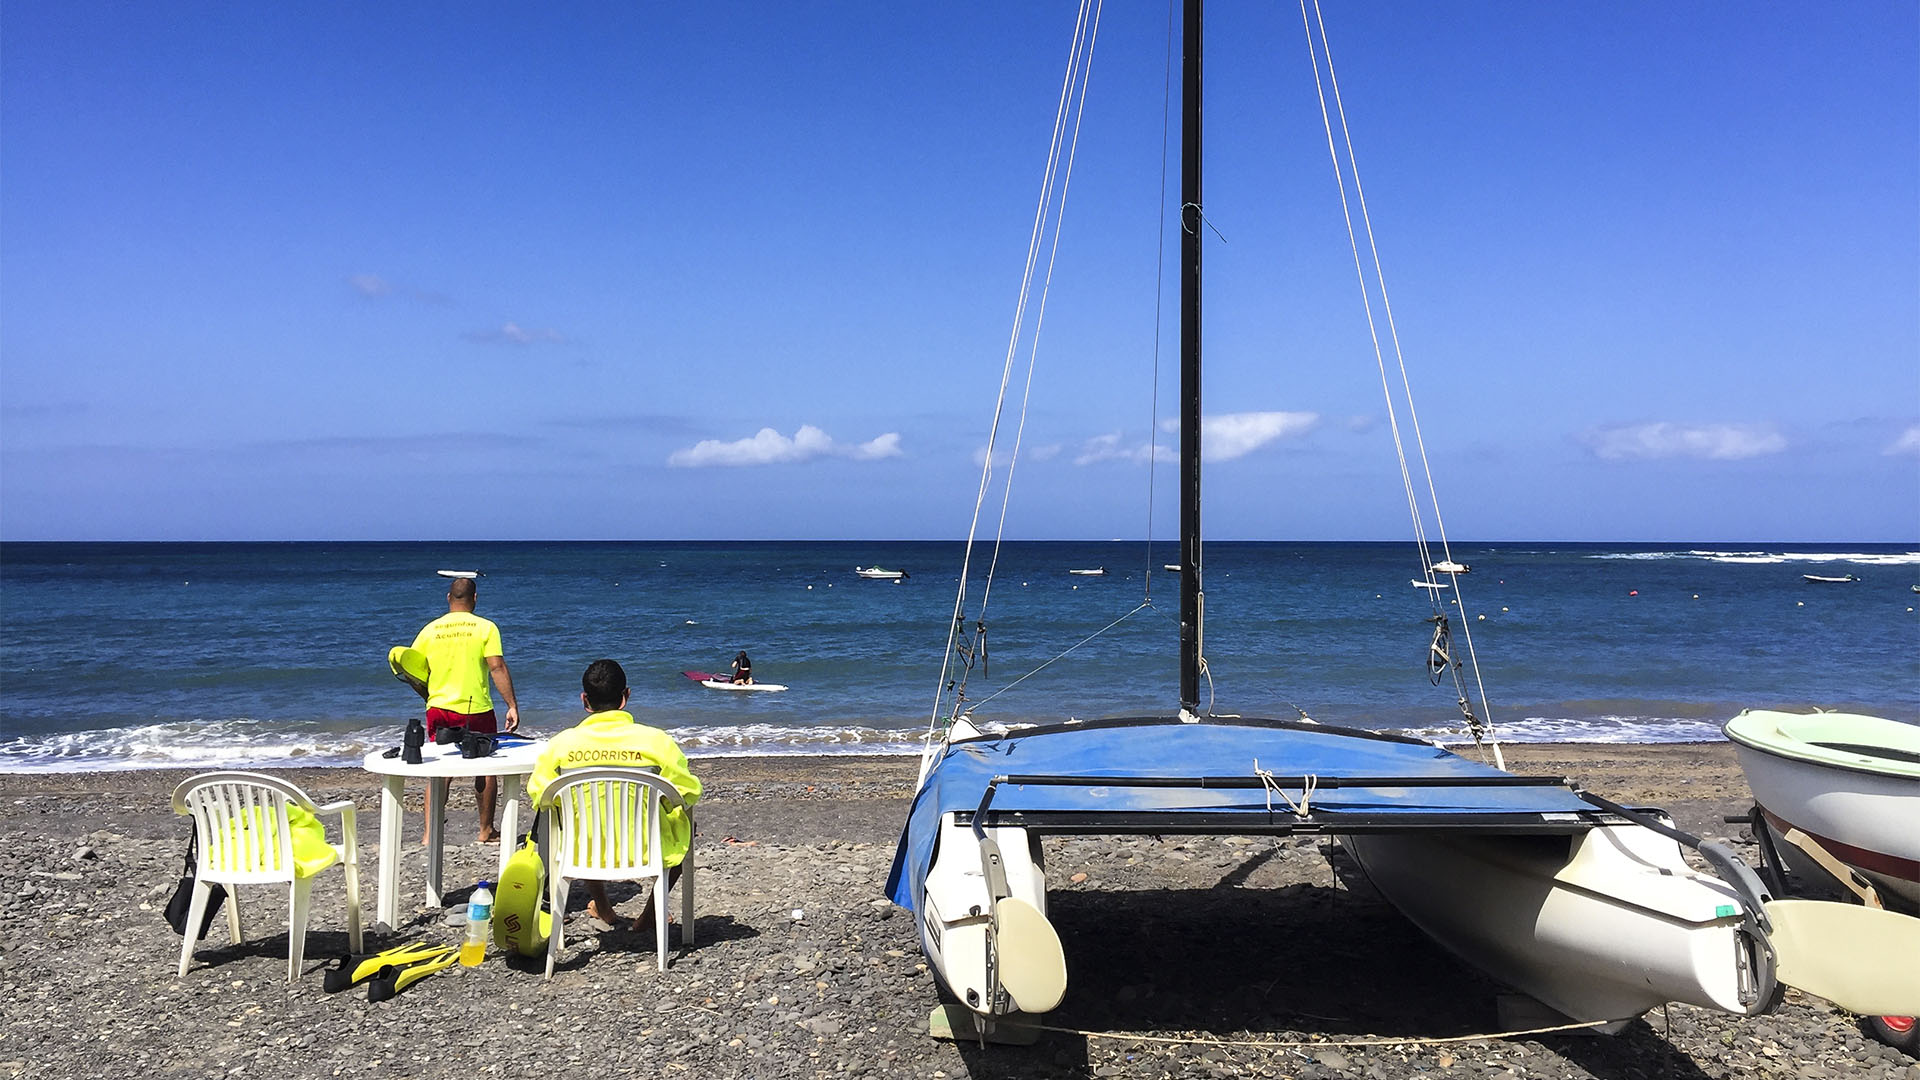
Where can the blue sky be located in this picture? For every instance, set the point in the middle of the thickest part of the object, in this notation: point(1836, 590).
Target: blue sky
point(748, 270)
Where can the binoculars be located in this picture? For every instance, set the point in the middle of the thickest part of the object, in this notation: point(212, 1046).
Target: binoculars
point(475, 744)
point(415, 738)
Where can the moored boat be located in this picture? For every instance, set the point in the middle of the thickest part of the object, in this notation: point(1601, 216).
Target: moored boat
point(876, 573)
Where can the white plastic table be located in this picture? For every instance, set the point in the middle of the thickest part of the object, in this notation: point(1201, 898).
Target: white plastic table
point(438, 765)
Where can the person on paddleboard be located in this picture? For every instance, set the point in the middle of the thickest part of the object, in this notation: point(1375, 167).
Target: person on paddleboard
point(742, 669)
point(611, 736)
point(463, 651)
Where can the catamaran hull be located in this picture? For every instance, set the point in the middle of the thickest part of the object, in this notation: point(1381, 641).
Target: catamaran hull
point(955, 920)
point(1604, 925)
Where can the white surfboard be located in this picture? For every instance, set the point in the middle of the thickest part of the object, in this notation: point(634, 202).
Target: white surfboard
point(722, 684)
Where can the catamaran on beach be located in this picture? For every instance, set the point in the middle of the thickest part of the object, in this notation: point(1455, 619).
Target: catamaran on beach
point(1588, 907)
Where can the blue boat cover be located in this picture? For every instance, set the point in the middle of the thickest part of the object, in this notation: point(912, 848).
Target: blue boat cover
point(1213, 747)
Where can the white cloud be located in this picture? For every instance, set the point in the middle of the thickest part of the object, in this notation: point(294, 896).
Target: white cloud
point(1109, 448)
point(876, 448)
point(375, 287)
point(769, 447)
point(1908, 443)
point(1232, 435)
point(1046, 452)
point(1223, 438)
point(1710, 442)
point(515, 334)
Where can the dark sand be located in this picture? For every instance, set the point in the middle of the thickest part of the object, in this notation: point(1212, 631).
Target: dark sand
point(1182, 952)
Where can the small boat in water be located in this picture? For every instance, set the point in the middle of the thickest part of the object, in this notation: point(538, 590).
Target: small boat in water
point(1450, 567)
point(1099, 571)
point(1818, 579)
point(878, 574)
point(1850, 782)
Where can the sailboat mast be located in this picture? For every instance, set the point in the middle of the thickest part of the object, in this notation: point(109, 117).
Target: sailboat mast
point(1192, 603)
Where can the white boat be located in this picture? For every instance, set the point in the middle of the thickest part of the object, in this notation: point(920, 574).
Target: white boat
point(1448, 566)
point(878, 574)
point(1099, 571)
point(1818, 579)
point(1434, 586)
point(1851, 782)
point(1587, 906)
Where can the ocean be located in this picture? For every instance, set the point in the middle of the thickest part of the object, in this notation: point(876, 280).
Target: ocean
point(170, 655)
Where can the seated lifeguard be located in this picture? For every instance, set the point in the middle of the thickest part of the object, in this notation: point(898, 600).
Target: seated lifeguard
point(610, 736)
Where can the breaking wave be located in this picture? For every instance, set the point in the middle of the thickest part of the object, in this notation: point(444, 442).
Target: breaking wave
point(1858, 558)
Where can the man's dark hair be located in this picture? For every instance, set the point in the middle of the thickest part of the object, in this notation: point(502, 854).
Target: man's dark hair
point(604, 684)
point(462, 589)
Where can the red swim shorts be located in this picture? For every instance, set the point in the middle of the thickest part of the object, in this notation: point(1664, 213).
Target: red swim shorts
point(484, 722)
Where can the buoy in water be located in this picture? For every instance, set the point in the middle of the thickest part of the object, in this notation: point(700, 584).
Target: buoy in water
point(1633, 592)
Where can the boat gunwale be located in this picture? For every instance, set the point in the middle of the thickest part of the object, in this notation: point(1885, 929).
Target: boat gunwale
point(1171, 721)
point(1187, 822)
point(1781, 744)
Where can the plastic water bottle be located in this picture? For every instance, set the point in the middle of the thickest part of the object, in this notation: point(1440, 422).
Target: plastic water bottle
point(479, 926)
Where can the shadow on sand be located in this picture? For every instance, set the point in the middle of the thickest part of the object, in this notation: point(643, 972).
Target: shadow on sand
point(1270, 965)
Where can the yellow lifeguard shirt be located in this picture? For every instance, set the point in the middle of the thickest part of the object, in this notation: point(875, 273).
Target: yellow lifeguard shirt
point(616, 738)
point(457, 645)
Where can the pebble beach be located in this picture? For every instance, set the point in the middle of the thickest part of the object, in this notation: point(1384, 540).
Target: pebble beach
point(1188, 957)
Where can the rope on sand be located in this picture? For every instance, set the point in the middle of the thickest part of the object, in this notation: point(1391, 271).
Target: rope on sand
point(1328, 1043)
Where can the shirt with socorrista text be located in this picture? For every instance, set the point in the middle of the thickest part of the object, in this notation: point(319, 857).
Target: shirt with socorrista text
point(616, 738)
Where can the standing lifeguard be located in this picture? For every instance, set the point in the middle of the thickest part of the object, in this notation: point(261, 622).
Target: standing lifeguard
point(462, 651)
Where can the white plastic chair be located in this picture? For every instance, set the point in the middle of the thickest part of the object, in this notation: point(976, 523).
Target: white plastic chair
point(604, 824)
point(245, 838)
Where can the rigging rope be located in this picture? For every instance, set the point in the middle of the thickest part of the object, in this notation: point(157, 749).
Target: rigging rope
point(1481, 729)
point(1062, 654)
point(1427, 1040)
point(1048, 214)
point(1159, 295)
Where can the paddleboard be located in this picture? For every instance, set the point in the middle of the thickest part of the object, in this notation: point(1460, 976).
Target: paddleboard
point(458, 573)
point(410, 667)
point(722, 684)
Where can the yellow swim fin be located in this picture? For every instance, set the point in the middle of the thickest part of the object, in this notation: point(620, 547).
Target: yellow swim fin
point(354, 968)
point(395, 978)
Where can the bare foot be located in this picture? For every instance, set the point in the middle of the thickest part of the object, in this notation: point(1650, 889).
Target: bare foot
point(488, 836)
point(601, 913)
